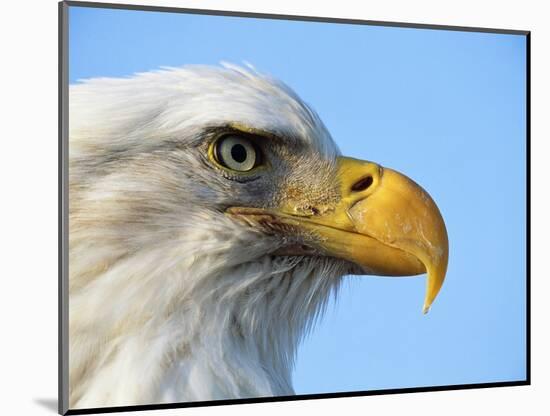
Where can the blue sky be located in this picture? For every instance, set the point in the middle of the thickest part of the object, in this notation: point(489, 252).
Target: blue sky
point(447, 109)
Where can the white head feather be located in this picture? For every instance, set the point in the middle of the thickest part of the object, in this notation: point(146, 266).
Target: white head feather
point(171, 300)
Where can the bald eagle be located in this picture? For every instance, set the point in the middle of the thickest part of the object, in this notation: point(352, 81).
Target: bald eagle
point(211, 216)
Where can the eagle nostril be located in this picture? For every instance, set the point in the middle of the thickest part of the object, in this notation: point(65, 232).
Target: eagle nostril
point(362, 184)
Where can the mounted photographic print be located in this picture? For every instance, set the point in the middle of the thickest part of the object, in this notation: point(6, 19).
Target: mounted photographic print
point(265, 207)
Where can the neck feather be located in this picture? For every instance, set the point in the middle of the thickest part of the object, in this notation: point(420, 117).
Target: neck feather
point(203, 327)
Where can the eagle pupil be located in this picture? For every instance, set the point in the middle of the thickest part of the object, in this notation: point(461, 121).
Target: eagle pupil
point(238, 153)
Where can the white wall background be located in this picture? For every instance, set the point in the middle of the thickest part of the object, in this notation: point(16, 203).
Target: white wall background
point(28, 230)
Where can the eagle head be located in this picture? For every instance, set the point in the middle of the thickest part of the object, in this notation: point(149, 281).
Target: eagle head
point(211, 217)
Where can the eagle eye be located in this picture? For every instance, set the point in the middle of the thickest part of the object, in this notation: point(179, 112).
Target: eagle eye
point(237, 153)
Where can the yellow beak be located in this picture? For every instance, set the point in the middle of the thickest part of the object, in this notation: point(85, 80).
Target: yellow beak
point(384, 222)
point(398, 213)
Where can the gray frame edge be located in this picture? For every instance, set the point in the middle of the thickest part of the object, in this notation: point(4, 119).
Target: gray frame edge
point(63, 205)
point(301, 18)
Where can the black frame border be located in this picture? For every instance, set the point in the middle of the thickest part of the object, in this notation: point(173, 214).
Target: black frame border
point(63, 229)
